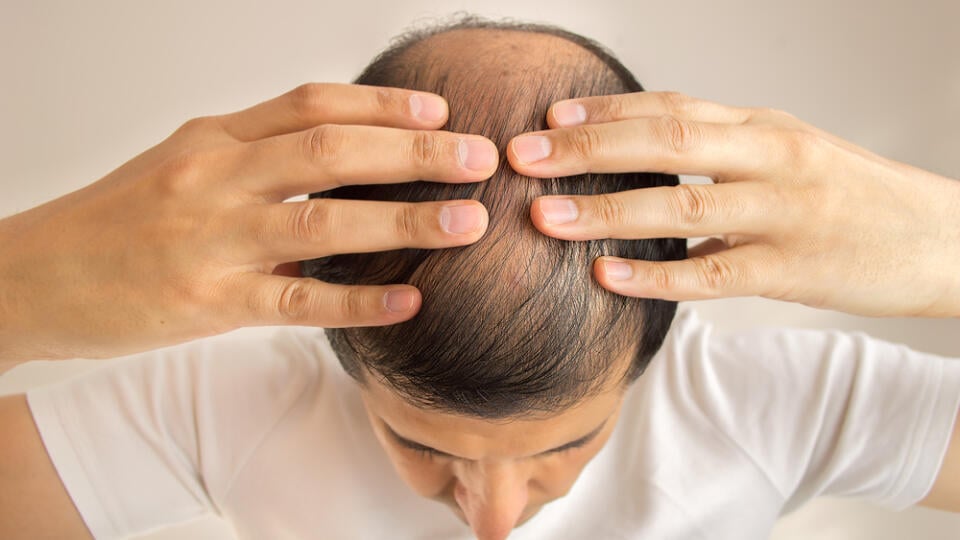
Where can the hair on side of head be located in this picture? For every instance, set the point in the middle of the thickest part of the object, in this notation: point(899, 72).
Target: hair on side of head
point(513, 325)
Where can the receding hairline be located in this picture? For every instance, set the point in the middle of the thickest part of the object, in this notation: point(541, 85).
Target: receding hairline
point(528, 47)
point(552, 45)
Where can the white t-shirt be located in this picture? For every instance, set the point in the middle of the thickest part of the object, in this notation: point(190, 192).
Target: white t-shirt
point(718, 438)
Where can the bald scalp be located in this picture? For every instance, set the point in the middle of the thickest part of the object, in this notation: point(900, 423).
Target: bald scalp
point(513, 325)
point(504, 52)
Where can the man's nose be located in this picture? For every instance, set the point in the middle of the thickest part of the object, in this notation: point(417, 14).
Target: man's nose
point(492, 497)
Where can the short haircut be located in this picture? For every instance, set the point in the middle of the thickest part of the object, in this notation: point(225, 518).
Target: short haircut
point(513, 325)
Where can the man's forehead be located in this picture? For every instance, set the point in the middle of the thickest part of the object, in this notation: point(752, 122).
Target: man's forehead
point(461, 435)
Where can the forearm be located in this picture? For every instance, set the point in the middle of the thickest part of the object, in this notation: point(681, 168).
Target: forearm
point(18, 340)
point(41, 286)
point(930, 256)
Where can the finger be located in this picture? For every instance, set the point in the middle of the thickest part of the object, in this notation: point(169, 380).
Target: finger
point(663, 144)
point(612, 108)
point(279, 300)
point(321, 103)
point(600, 109)
point(329, 156)
point(687, 211)
point(319, 227)
point(740, 271)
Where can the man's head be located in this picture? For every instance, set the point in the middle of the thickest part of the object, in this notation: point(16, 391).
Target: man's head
point(509, 379)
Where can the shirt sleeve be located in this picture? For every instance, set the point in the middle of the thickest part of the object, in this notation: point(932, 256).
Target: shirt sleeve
point(828, 413)
point(155, 439)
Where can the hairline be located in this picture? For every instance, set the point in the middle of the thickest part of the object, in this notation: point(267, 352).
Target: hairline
point(417, 35)
point(618, 383)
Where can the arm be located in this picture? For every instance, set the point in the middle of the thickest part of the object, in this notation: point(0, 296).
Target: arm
point(33, 502)
point(945, 494)
point(151, 440)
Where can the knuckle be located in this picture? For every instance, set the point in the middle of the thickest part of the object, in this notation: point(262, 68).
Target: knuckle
point(323, 143)
point(198, 126)
point(677, 104)
point(352, 305)
point(715, 273)
point(188, 292)
point(774, 116)
point(609, 209)
point(584, 142)
point(407, 223)
point(182, 172)
point(661, 277)
point(424, 148)
point(766, 112)
point(781, 114)
point(386, 101)
point(802, 149)
point(294, 301)
point(679, 136)
point(693, 205)
point(613, 107)
point(311, 221)
point(308, 99)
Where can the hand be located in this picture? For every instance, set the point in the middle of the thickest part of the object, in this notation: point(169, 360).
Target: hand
point(189, 238)
point(795, 213)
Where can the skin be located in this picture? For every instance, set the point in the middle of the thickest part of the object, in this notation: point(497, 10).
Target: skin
point(796, 214)
point(494, 475)
point(190, 238)
point(503, 473)
point(33, 502)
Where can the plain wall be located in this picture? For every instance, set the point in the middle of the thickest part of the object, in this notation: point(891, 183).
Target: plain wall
point(87, 85)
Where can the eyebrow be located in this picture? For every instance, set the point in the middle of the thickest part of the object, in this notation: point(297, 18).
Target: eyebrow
point(414, 445)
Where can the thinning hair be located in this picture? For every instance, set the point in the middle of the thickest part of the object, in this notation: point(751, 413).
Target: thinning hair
point(513, 325)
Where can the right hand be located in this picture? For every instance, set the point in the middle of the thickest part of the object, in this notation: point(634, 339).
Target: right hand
point(796, 214)
point(192, 237)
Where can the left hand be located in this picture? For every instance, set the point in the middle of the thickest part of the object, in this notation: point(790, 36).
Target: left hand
point(796, 214)
point(193, 238)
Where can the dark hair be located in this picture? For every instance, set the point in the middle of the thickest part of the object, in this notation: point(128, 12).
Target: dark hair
point(513, 325)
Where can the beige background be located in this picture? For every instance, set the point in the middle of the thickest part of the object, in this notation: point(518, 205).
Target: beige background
point(87, 85)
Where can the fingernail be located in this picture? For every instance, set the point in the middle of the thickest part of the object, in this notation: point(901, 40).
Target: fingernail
point(531, 148)
point(617, 270)
point(461, 219)
point(558, 211)
point(476, 154)
point(399, 301)
point(569, 113)
point(428, 108)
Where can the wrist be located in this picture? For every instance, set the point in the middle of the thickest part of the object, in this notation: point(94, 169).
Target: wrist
point(946, 262)
point(19, 339)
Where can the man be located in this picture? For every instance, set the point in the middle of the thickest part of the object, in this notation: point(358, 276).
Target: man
point(283, 444)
